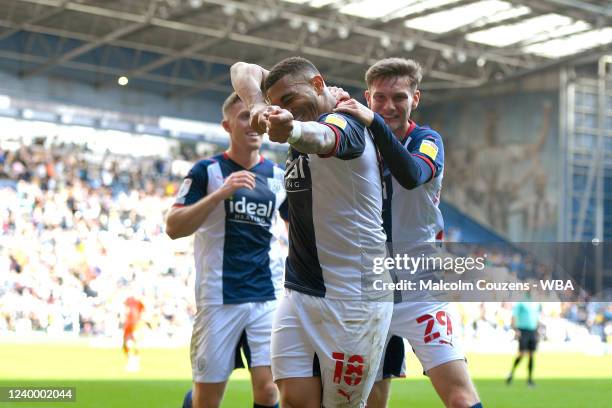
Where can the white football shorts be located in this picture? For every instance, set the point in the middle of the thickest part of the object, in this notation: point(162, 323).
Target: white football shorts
point(341, 341)
point(428, 327)
point(221, 331)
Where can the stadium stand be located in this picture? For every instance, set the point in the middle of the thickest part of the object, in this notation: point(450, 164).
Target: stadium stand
point(79, 235)
point(80, 232)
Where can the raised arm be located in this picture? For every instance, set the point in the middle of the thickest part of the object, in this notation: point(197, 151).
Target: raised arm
point(305, 137)
point(410, 171)
point(316, 138)
point(247, 80)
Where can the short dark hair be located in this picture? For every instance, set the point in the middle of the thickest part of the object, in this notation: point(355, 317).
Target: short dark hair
point(230, 101)
point(393, 68)
point(289, 66)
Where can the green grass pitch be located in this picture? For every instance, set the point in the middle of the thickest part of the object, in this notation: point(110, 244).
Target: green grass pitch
point(563, 380)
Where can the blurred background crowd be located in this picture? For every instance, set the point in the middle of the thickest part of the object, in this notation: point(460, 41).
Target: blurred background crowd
point(82, 230)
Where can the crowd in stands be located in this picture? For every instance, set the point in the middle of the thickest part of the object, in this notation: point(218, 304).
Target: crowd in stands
point(561, 322)
point(80, 231)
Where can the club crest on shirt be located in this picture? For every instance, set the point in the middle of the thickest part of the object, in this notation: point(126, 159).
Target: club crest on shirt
point(275, 185)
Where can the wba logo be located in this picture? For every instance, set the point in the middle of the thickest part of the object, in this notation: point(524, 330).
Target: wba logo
point(251, 212)
point(297, 174)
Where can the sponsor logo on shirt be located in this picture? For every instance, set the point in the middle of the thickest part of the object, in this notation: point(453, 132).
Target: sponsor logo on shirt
point(296, 174)
point(250, 212)
point(336, 120)
point(429, 149)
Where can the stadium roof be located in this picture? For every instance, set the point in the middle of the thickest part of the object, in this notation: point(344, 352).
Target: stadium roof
point(184, 47)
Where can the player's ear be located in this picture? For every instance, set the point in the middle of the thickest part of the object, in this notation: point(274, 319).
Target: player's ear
point(226, 125)
point(415, 99)
point(366, 94)
point(318, 83)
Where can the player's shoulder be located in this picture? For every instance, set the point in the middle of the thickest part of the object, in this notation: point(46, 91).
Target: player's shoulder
point(341, 120)
point(426, 140)
point(201, 166)
point(425, 132)
point(204, 163)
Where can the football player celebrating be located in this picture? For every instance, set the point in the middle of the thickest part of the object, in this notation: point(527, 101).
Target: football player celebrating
point(230, 203)
point(328, 333)
point(414, 166)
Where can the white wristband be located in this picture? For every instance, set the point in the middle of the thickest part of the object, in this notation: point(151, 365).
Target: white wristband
point(296, 133)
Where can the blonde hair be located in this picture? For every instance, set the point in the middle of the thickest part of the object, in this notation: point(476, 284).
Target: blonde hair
point(229, 102)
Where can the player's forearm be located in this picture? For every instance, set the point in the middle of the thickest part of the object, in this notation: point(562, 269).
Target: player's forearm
point(409, 171)
point(247, 80)
point(315, 138)
point(184, 221)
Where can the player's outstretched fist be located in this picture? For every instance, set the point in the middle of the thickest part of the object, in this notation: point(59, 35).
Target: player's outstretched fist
point(360, 112)
point(257, 118)
point(272, 110)
point(236, 180)
point(259, 115)
point(280, 125)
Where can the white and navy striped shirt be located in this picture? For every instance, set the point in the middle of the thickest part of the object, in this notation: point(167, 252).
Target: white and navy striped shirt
point(335, 214)
point(238, 258)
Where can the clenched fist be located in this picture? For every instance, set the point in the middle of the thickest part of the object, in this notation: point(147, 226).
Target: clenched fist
point(280, 124)
point(257, 118)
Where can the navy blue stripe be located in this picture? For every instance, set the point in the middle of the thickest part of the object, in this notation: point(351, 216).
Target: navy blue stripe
point(303, 270)
point(386, 209)
point(246, 273)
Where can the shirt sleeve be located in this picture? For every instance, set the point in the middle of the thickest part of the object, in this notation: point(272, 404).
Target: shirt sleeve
point(194, 186)
point(410, 170)
point(283, 210)
point(431, 150)
point(350, 135)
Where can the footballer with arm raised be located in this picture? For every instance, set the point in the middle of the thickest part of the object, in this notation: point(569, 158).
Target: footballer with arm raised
point(327, 339)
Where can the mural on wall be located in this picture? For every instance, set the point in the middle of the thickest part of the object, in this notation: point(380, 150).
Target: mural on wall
point(502, 161)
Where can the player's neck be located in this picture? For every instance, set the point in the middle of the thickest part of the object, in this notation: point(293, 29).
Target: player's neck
point(402, 132)
point(328, 104)
point(245, 158)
